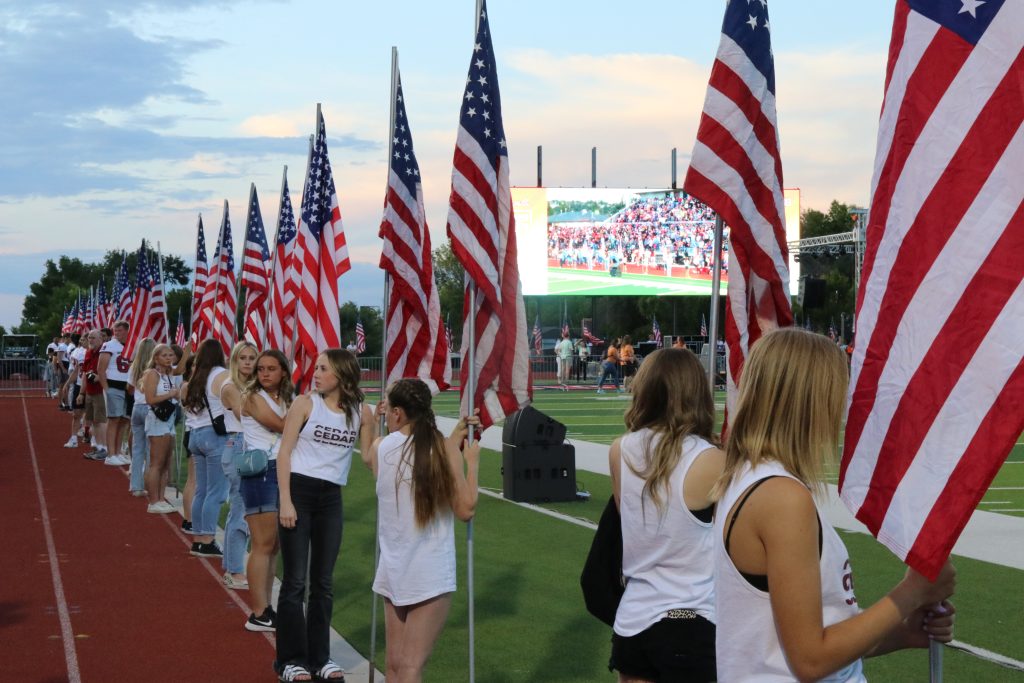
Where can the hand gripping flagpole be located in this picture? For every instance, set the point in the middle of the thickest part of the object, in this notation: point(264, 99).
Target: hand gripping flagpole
point(716, 285)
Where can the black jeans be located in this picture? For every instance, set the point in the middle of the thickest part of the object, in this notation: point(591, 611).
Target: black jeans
point(304, 639)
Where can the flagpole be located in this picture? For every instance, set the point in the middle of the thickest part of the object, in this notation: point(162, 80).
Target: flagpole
point(295, 326)
point(239, 302)
point(273, 260)
point(192, 304)
point(160, 270)
point(716, 285)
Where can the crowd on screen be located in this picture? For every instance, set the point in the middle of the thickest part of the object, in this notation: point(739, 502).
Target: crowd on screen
point(700, 578)
point(649, 231)
point(244, 429)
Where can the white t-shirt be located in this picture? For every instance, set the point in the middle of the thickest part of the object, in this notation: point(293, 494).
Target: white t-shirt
point(324, 447)
point(416, 564)
point(117, 368)
point(62, 351)
point(77, 357)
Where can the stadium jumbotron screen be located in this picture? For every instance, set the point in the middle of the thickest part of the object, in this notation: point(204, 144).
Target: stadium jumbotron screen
point(608, 242)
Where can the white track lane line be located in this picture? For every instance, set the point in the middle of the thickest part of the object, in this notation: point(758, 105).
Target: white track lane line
point(67, 635)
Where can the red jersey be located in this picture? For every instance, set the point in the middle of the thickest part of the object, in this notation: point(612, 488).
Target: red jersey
point(89, 365)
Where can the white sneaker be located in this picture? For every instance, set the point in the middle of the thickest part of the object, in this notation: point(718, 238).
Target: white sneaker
point(117, 460)
point(161, 508)
point(72, 442)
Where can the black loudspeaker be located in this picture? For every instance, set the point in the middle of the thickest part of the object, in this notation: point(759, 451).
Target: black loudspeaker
point(812, 292)
point(539, 473)
point(529, 426)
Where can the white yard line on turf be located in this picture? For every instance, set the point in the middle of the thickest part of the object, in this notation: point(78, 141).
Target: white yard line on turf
point(988, 655)
point(67, 635)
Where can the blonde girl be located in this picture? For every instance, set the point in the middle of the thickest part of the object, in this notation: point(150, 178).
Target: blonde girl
point(784, 586)
point(265, 400)
point(423, 483)
point(159, 384)
point(241, 365)
point(140, 443)
point(313, 462)
point(662, 471)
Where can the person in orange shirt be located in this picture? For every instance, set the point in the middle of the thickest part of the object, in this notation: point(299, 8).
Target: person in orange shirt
point(627, 361)
point(610, 367)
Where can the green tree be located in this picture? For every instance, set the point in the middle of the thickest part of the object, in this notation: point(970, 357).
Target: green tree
point(835, 267)
point(373, 326)
point(449, 276)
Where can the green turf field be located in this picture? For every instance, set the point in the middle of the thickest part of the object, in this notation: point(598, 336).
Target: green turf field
point(568, 281)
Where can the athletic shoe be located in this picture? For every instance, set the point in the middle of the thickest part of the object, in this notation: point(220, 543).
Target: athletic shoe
point(232, 582)
point(600, 391)
point(72, 442)
point(117, 461)
point(206, 550)
point(186, 526)
point(264, 622)
point(96, 454)
point(161, 508)
point(80, 434)
point(138, 493)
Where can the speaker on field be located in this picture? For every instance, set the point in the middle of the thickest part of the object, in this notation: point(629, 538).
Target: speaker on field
point(812, 292)
point(529, 426)
point(539, 473)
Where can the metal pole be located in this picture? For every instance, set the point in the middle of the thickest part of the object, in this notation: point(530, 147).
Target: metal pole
point(674, 185)
point(160, 269)
point(935, 662)
point(297, 257)
point(540, 157)
point(593, 166)
point(716, 280)
point(471, 389)
point(192, 305)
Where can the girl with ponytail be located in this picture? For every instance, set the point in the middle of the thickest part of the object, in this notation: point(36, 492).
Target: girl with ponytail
point(424, 481)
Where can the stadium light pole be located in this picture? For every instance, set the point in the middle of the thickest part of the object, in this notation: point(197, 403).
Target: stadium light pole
point(540, 159)
point(716, 280)
point(674, 183)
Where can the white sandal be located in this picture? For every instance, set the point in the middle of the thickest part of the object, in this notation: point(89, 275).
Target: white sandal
point(324, 673)
point(294, 672)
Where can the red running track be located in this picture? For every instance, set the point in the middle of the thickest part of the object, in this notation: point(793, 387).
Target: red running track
point(92, 588)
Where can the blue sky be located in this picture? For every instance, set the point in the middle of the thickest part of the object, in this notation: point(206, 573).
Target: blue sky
point(124, 119)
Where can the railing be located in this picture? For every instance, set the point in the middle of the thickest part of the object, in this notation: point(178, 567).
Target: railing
point(25, 374)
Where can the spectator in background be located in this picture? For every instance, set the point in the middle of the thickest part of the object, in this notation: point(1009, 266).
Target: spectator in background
point(627, 361)
point(140, 409)
point(563, 357)
point(582, 358)
point(610, 367)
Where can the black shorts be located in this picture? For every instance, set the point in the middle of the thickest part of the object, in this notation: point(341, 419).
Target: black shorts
point(629, 369)
point(670, 650)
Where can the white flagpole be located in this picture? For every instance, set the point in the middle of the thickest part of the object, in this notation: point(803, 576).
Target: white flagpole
point(163, 287)
point(273, 262)
point(716, 283)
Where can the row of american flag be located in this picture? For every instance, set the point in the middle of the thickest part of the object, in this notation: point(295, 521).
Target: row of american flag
point(939, 350)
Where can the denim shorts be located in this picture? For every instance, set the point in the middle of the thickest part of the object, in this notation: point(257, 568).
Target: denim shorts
point(260, 494)
point(157, 427)
point(115, 403)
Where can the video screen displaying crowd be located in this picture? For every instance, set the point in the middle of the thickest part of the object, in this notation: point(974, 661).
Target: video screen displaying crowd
point(649, 231)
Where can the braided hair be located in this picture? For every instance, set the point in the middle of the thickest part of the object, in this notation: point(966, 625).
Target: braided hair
point(433, 486)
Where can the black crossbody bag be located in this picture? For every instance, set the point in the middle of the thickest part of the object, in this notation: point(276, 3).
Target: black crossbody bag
point(218, 422)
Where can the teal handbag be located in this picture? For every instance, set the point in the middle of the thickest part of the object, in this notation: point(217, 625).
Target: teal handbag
point(253, 462)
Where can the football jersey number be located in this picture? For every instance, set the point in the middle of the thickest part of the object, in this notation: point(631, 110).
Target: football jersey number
point(123, 365)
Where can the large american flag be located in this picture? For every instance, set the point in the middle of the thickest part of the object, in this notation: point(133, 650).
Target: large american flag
point(322, 258)
point(736, 170)
point(90, 310)
point(226, 293)
point(201, 273)
point(141, 300)
point(102, 305)
point(412, 322)
point(205, 316)
point(255, 273)
point(122, 301)
point(77, 323)
point(588, 335)
point(281, 315)
point(481, 226)
point(937, 374)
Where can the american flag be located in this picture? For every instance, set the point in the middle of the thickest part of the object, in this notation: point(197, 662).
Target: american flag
point(179, 331)
point(360, 337)
point(281, 315)
point(205, 316)
point(140, 304)
point(122, 301)
point(225, 289)
point(102, 305)
point(77, 324)
point(481, 226)
point(65, 327)
point(157, 302)
point(448, 336)
point(255, 275)
point(656, 330)
point(703, 326)
point(538, 337)
point(565, 327)
point(736, 170)
point(832, 330)
point(588, 335)
point(413, 317)
point(201, 273)
point(937, 377)
point(89, 314)
point(322, 256)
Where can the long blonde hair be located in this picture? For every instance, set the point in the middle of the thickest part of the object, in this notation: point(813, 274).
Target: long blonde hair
point(672, 399)
point(143, 357)
point(233, 363)
point(157, 350)
point(790, 407)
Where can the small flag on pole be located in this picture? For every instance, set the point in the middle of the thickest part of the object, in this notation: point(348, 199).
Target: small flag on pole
point(360, 337)
point(703, 326)
point(538, 338)
point(179, 332)
point(588, 335)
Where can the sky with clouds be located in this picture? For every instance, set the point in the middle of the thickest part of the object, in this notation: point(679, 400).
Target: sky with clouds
point(124, 119)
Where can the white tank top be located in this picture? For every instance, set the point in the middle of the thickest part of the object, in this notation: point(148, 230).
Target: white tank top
point(416, 564)
point(666, 559)
point(201, 418)
point(231, 423)
point(324, 447)
point(747, 644)
point(258, 436)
